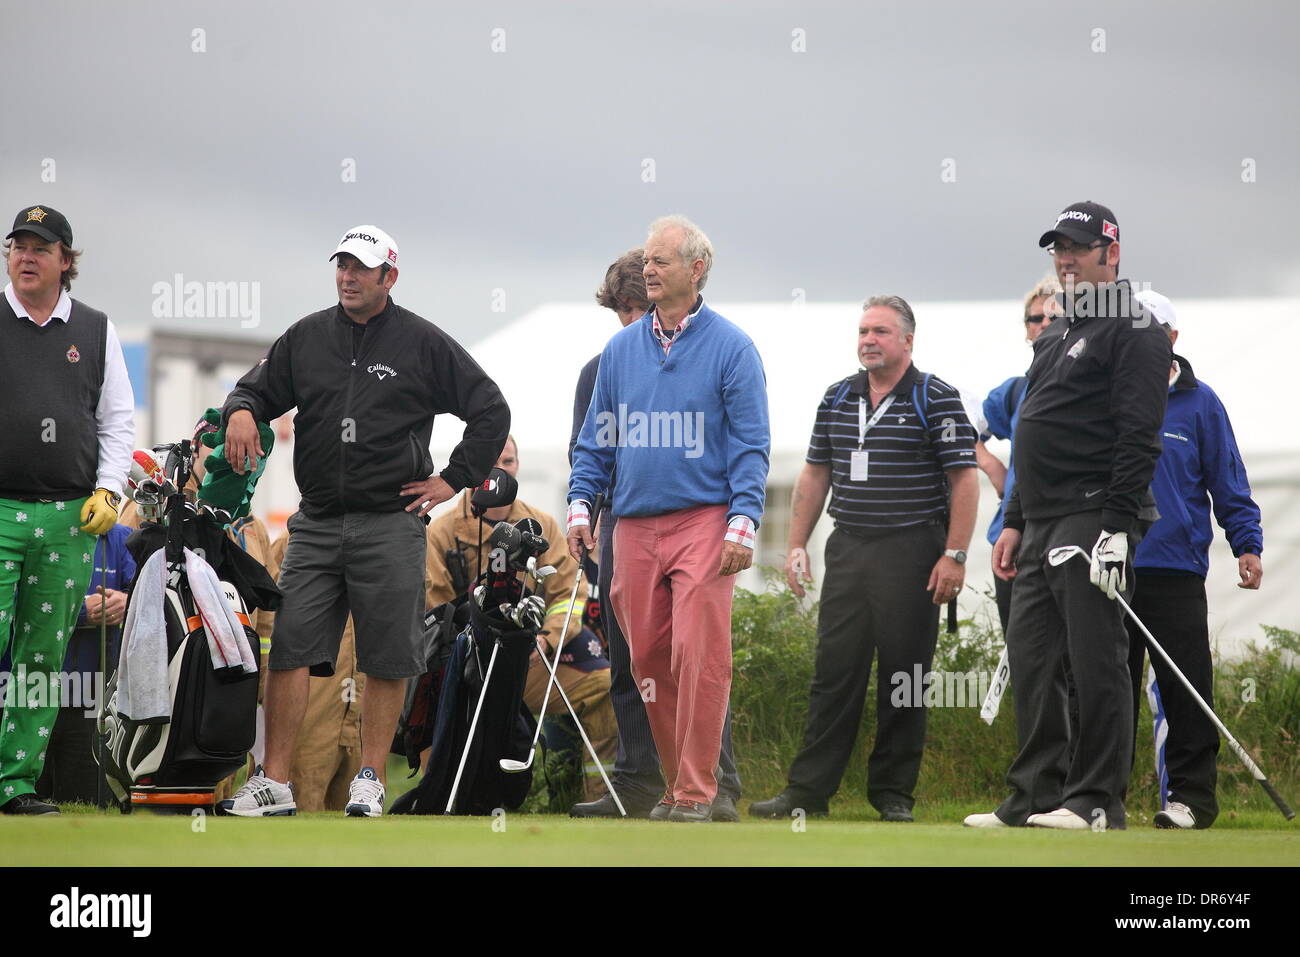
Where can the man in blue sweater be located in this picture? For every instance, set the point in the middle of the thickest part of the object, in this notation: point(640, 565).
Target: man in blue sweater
point(680, 408)
point(1200, 465)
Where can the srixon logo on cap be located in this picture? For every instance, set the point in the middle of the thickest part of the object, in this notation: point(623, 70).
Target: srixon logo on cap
point(1076, 214)
point(368, 238)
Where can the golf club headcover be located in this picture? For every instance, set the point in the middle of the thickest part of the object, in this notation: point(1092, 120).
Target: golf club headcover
point(497, 490)
point(222, 486)
point(1109, 558)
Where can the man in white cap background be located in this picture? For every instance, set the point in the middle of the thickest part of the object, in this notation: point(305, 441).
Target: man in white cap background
point(1200, 465)
point(367, 378)
point(64, 454)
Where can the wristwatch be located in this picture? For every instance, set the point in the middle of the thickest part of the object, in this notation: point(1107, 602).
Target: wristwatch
point(957, 555)
point(114, 498)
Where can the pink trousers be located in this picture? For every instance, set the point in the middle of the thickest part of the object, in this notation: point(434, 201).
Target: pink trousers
point(675, 610)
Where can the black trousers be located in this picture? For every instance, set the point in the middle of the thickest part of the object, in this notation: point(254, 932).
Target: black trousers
point(874, 604)
point(71, 773)
point(1173, 608)
point(636, 774)
point(1059, 619)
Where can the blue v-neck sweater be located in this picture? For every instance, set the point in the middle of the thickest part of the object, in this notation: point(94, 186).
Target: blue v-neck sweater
point(686, 429)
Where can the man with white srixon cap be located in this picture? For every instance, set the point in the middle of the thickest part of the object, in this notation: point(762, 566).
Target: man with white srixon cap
point(1086, 446)
point(1200, 464)
point(64, 453)
point(367, 378)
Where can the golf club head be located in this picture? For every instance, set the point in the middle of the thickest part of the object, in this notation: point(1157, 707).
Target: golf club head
point(1059, 556)
point(511, 766)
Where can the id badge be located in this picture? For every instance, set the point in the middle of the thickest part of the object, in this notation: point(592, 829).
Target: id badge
point(858, 466)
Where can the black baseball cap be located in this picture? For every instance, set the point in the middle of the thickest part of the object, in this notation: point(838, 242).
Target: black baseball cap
point(50, 224)
point(1083, 223)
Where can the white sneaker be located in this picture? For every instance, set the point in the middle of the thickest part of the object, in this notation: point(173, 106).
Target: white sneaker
point(1177, 816)
point(260, 797)
point(1063, 819)
point(365, 795)
point(983, 820)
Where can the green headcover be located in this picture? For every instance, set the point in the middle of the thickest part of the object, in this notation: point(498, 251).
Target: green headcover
point(222, 487)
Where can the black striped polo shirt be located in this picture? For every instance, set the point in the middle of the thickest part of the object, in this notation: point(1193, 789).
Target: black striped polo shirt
point(907, 450)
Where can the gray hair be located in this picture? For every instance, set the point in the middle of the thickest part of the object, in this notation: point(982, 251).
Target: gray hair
point(695, 245)
point(899, 305)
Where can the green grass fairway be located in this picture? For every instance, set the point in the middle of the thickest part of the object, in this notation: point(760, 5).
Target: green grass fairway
point(331, 840)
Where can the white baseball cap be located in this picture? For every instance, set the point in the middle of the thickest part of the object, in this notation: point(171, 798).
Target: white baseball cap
point(370, 244)
point(1159, 306)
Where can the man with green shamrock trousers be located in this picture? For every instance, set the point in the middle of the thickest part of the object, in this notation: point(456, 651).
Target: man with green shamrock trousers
point(65, 448)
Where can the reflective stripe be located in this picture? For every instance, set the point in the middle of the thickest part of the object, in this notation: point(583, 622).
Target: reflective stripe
point(561, 607)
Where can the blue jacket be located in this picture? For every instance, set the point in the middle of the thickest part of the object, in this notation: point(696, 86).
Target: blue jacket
point(83, 646)
point(1200, 462)
point(686, 429)
point(1001, 412)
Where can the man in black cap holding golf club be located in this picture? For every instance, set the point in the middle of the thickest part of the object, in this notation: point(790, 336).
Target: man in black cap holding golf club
point(1086, 447)
point(64, 454)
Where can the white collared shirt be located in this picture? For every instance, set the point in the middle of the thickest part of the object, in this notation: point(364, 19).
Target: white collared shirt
point(115, 413)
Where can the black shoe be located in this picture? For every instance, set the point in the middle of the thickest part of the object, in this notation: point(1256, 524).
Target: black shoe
point(663, 810)
point(690, 812)
point(724, 809)
point(782, 806)
point(605, 807)
point(27, 804)
point(897, 813)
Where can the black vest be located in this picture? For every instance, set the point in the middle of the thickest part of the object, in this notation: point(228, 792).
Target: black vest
point(50, 380)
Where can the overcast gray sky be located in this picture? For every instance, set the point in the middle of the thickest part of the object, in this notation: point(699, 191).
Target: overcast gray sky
point(524, 170)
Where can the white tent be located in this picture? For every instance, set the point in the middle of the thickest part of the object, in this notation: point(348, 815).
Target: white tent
point(1242, 348)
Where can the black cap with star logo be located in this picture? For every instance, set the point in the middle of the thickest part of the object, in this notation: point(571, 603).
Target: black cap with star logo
point(50, 224)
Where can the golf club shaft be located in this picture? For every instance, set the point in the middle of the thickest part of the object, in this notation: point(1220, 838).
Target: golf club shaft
point(1237, 749)
point(103, 664)
point(469, 738)
point(600, 766)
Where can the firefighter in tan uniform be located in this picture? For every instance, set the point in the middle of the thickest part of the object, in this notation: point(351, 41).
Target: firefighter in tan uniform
point(458, 530)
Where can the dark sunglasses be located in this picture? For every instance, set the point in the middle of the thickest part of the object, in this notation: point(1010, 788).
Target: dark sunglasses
point(1036, 319)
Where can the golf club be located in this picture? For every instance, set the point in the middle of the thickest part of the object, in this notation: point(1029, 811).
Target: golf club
point(469, 738)
point(993, 700)
point(510, 765)
point(1058, 556)
point(585, 740)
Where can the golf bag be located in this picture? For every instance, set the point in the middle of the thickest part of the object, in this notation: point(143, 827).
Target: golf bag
point(415, 727)
point(505, 725)
point(175, 762)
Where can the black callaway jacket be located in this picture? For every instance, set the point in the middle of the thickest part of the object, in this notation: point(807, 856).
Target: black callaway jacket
point(365, 417)
point(1089, 430)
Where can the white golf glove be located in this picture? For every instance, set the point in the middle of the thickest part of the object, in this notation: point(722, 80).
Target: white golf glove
point(1109, 558)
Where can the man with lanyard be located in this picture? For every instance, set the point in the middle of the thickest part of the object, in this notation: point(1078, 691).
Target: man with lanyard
point(1086, 448)
point(1200, 464)
point(64, 455)
point(889, 444)
point(680, 406)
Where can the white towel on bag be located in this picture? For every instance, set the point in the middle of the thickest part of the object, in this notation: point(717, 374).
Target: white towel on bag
point(227, 642)
point(143, 691)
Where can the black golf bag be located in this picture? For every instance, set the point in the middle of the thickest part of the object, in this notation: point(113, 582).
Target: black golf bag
point(505, 725)
point(175, 763)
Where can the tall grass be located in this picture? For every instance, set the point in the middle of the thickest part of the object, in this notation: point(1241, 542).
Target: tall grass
point(774, 640)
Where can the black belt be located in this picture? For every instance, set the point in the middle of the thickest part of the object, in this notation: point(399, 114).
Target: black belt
point(32, 499)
